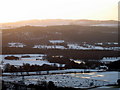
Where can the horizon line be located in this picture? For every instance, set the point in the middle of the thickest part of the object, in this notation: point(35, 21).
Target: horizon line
point(55, 19)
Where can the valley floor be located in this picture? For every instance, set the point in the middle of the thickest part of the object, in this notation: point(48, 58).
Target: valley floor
point(75, 80)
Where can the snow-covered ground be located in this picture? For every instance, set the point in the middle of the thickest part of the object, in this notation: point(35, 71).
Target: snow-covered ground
point(85, 46)
point(25, 57)
point(107, 43)
point(16, 44)
point(39, 59)
point(19, 55)
point(34, 59)
point(110, 77)
point(49, 46)
point(108, 60)
point(90, 47)
point(78, 47)
point(74, 77)
point(55, 71)
point(76, 80)
point(56, 41)
point(20, 62)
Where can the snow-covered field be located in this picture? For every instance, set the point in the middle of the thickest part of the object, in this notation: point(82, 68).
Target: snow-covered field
point(39, 59)
point(90, 47)
point(73, 78)
point(108, 60)
point(34, 59)
point(20, 62)
point(83, 46)
point(56, 41)
point(19, 55)
point(16, 44)
point(55, 71)
point(76, 46)
point(110, 77)
point(49, 47)
point(78, 80)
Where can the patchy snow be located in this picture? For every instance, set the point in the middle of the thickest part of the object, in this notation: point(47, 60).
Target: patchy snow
point(73, 70)
point(76, 46)
point(67, 81)
point(91, 47)
point(31, 62)
point(20, 62)
point(107, 43)
point(99, 43)
point(16, 44)
point(76, 80)
point(58, 71)
point(56, 41)
point(109, 59)
point(49, 46)
point(110, 77)
point(84, 46)
point(34, 59)
point(19, 55)
point(30, 56)
point(59, 47)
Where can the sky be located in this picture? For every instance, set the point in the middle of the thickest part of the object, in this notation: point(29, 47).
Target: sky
point(18, 10)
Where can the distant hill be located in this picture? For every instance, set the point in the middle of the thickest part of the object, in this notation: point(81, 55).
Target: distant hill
point(32, 35)
point(54, 22)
